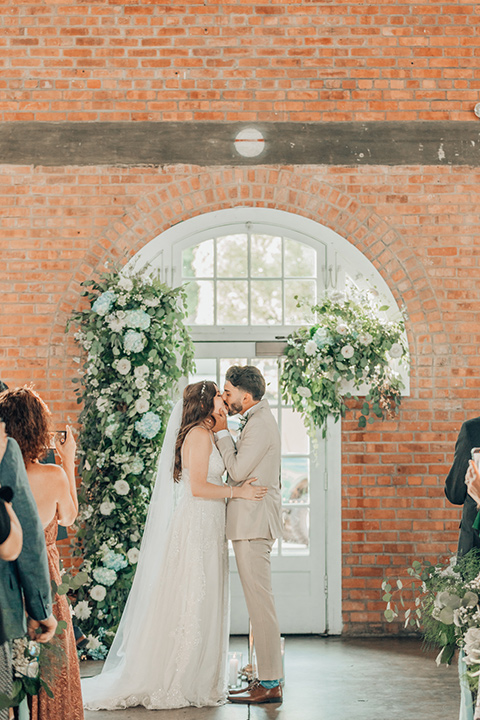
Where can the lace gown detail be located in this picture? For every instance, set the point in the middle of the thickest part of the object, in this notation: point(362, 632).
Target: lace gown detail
point(180, 658)
point(66, 703)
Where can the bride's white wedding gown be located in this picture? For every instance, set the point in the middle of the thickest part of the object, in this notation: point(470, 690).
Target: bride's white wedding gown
point(179, 656)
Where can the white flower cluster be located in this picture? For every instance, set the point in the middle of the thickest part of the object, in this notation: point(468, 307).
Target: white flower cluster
point(352, 344)
point(82, 610)
point(25, 655)
point(129, 334)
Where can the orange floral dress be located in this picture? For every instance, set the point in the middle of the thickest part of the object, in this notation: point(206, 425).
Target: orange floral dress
point(66, 703)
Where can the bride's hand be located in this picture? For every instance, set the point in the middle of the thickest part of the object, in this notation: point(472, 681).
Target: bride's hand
point(247, 491)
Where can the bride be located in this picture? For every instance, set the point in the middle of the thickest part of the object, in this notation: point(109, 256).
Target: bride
point(171, 645)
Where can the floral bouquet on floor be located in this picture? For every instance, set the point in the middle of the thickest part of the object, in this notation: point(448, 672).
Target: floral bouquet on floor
point(34, 667)
point(445, 605)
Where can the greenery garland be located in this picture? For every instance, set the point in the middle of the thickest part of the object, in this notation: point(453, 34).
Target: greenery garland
point(137, 349)
point(353, 341)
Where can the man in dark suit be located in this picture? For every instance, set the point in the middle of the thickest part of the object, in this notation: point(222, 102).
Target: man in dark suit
point(456, 489)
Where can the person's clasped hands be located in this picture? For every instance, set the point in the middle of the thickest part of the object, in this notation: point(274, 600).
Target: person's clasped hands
point(472, 480)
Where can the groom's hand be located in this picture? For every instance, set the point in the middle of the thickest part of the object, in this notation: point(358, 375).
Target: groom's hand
point(220, 420)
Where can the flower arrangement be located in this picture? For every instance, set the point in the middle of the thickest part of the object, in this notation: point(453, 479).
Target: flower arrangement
point(353, 341)
point(136, 347)
point(445, 605)
point(34, 666)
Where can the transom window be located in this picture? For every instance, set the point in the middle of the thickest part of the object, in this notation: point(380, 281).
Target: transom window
point(249, 279)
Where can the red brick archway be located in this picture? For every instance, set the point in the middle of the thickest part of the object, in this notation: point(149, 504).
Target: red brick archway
point(292, 190)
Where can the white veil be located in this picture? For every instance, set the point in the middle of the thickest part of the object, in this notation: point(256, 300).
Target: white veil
point(117, 679)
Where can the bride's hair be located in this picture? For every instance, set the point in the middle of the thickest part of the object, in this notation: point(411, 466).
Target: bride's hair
point(197, 408)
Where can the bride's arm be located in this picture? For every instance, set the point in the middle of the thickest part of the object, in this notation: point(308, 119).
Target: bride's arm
point(196, 454)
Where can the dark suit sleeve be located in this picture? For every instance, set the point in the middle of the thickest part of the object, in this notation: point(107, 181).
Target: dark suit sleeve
point(32, 564)
point(455, 488)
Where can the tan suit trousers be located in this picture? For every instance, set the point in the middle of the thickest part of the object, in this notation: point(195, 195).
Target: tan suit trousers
point(253, 563)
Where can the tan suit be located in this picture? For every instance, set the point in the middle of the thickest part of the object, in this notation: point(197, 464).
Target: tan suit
point(253, 526)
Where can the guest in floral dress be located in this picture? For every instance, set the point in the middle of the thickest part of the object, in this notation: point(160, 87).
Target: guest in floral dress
point(27, 419)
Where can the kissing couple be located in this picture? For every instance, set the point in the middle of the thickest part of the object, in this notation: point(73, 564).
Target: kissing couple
point(170, 650)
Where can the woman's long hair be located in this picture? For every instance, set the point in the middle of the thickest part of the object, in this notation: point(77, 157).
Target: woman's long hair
point(27, 419)
point(198, 408)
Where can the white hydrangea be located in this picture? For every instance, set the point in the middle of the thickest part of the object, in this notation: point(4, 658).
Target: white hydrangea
point(133, 555)
point(121, 487)
point(137, 466)
point(98, 593)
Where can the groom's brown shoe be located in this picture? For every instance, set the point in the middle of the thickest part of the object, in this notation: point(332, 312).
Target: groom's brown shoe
point(256, 694)
point(243, 689)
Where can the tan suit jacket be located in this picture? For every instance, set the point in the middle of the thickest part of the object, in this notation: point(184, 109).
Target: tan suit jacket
point(256, 454)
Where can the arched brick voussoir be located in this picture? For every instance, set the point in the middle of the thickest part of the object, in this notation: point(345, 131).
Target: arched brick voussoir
point(185, 192)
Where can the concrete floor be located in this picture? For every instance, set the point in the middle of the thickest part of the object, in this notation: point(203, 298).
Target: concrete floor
point(336, 679)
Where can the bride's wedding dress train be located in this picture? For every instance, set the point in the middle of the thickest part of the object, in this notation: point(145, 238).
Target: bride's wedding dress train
point(173, 654)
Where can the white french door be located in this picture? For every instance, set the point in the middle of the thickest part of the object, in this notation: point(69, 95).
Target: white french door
point(298, 558)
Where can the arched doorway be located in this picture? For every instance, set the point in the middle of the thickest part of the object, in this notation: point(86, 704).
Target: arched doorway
point(243, 268)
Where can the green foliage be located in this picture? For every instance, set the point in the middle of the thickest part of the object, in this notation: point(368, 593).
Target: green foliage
point(136, 349)
point(443, 602)
point(352, 342)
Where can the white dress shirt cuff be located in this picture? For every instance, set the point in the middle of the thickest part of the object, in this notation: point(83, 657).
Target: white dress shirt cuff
point(222, 433)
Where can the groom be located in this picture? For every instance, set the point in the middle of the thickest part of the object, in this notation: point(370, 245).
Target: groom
point(253, 526)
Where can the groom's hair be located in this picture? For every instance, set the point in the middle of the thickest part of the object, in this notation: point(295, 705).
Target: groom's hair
point(247, 378)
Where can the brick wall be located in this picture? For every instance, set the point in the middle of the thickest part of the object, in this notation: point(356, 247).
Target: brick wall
point(238, 60)
point(276, 61)
point(62, 225)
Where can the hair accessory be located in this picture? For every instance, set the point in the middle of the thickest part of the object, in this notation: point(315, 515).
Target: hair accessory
point(202, 391)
